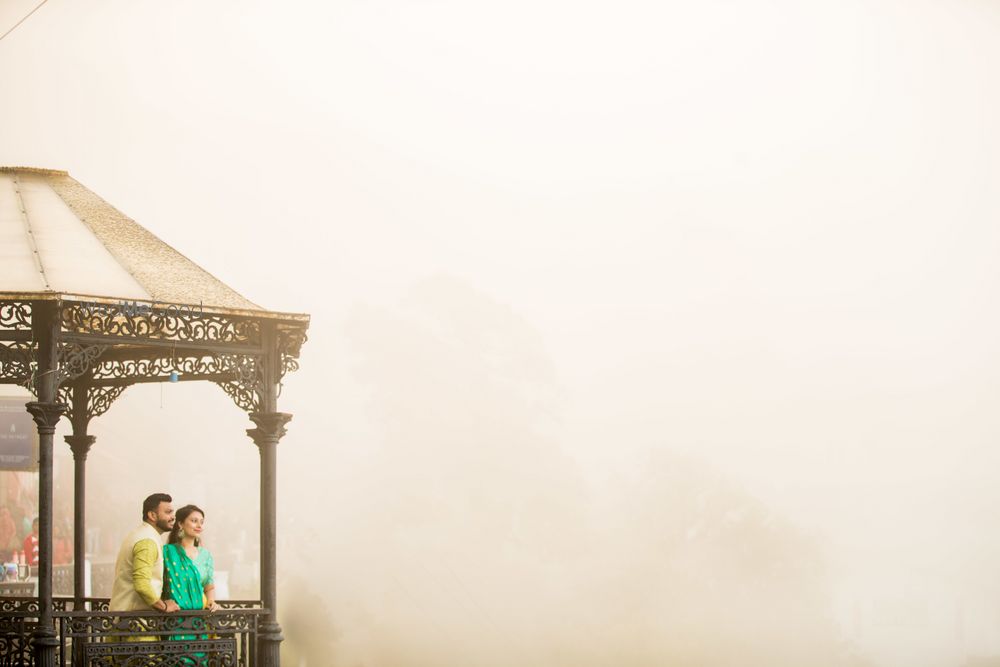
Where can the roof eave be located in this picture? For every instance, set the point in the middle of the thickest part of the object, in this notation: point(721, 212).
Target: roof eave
point(302, 318)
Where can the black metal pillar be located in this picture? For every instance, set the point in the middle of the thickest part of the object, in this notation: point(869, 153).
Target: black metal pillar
point(270, 427)
point(80, 443)
point(46, 413)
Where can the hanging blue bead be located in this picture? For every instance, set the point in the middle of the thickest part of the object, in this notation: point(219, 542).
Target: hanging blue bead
point(174, 376)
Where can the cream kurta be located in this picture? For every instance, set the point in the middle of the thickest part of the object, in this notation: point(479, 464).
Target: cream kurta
point(124, 596)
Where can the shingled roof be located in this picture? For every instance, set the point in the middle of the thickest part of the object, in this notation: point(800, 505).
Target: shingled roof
point(60, 240)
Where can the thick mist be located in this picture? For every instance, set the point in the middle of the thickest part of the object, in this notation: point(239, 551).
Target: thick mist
point(642, 333)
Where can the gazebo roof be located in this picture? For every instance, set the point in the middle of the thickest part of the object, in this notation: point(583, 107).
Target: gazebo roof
point(59, 240)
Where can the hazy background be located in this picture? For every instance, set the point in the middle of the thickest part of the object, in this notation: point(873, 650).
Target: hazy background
point(644, 333)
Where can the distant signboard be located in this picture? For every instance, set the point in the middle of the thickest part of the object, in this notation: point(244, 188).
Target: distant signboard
point(18, 436)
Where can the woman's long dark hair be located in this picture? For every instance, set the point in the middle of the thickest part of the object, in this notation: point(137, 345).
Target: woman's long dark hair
point(179, 517)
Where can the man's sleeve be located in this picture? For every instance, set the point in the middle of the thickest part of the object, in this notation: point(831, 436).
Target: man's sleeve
point(144, 555)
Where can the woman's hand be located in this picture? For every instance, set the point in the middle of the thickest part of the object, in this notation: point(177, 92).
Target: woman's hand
point(212, 605)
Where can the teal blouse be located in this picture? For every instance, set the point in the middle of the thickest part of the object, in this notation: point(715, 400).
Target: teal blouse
point(206, 566)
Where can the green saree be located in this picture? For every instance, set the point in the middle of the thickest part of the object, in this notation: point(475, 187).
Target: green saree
point(187, 579)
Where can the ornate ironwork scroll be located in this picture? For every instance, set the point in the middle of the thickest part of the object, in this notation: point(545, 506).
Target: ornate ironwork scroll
point(236, 365)
point(75, 359)
point(98, 340)
point(240, 604)
point(99, 399)
point(15, 363)
point(225, 638)
point(239, 375)
point(233, 635)
point(15, 641)
point(206, 653)
point(245, 388)
point(15, 315)
point(151, 623)
point(29, 605)
point(157, 322)
point(19, 604)
point(17, 357)
point(245, 397)
point(290, 342)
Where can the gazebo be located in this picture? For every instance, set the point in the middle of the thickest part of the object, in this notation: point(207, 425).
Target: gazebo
point(90, 304)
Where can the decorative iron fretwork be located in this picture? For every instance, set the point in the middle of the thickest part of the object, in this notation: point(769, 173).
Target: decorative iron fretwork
point(177, 623)
point(288, 365)
point(224, 638)
point(244, 396)
point(245, 388)
point(290, 342)
point(240, 604)
point(168, 323)
point(29, 605)
point(15, 641)
point(15, 315)
point(75, 359)
point(98, 604)
point(16, 363)
point(19, 604)
point(238, 366)
point(239, 375)
point(18, 366)
point(99, 399)
point(206, 653)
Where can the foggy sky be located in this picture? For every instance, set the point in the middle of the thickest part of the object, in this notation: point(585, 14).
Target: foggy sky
point(758, 239)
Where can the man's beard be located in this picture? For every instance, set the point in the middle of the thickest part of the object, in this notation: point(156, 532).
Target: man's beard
point(164, 525)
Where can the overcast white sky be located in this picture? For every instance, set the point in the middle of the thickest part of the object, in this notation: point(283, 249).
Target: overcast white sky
point(763, 233)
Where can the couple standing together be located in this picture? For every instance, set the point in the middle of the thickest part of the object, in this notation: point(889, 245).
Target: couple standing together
point(177, 575)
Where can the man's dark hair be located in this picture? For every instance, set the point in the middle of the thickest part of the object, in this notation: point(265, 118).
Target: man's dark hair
point(152, 503)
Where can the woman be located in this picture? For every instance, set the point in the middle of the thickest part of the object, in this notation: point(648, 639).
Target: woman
point(188, 567)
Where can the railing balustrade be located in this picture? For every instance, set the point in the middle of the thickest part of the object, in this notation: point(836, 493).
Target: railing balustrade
point(93, 636)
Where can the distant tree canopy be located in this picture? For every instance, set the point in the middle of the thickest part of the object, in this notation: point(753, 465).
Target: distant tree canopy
point(464, 395)
point(708, 575)
point(474, 539)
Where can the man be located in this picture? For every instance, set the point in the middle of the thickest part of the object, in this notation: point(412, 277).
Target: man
point(138, 581)
point(31, 545)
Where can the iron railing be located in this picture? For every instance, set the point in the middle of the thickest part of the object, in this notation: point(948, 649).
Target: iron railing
point(93, 636)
